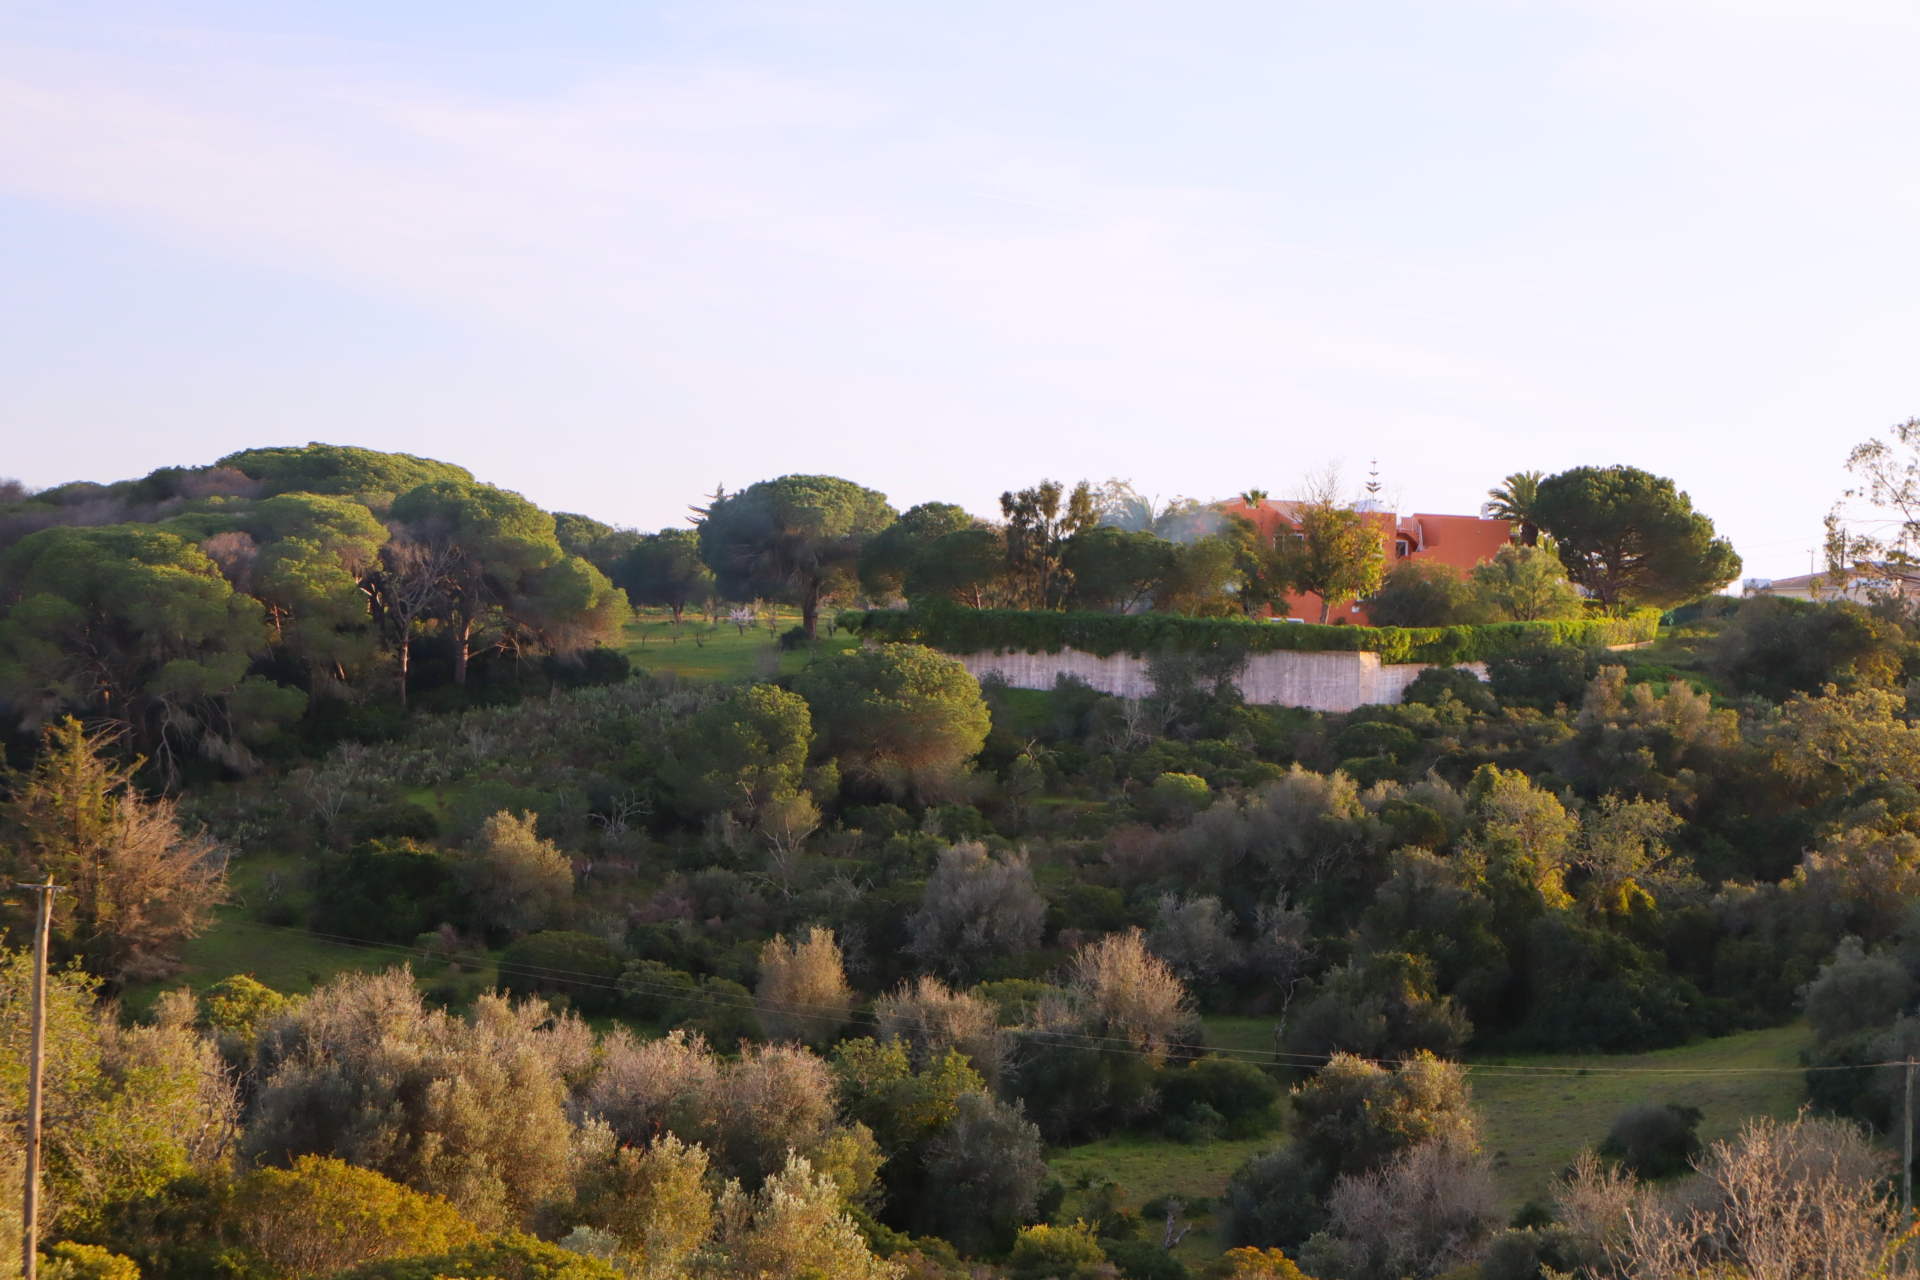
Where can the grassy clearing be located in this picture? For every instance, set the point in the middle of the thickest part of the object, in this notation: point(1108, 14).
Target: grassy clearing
point(695, 650)
point(1535, 1123)
point(1150, 1167)
point(288, 958)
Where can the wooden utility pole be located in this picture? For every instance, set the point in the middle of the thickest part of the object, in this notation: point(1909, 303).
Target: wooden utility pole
point(36, 1074)
point(1907, 1167)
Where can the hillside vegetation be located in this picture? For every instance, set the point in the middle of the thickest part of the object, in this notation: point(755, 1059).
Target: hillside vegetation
point(547, 898)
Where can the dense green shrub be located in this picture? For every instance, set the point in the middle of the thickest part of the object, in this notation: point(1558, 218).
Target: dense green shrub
point(1596, 991)
point(1542, 674)
point(1436, 685)
point(1056, 1253)
point(402, 820)
point(1000, 630)
point(579, 966)
point(387, 892)
point(1273, 1200)
point(1143, 1260)
point(1239, 1093)
point(1778, 647)
point(508, 1257)
point(1653, 1139)
point(1526, 1252)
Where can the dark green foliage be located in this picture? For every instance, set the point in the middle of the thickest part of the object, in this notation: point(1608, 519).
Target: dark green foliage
point(797, 538)
point(339, 469)
point(1778, 647)
point(1596, 991)
point(891, 555)
point(401, 820)
point(664, 569)
point(183, 1231)
point(387, 892)
point(1631, 537)
point(1654, 1140)
point(1144, 1260)
point(1113, 568)
point(596, 542)
point(961, 568)
point(898, 716)
point(1388, 1008)
point(1075, 1093)
point(1856, 991)
point(722, 1011)
point(656, 992)
point(1435, 686)
point(509, 1257)
point(1419, 593)
point(999, 630)
point(1369, 738)
point(1090, 908)
point(984, 1175)
point(1414, 824)
point(1542, 675)
point(579, 966)
point(1238, 1094)
point(473, 806)
point(1524, 1253)
point(1273, 1200)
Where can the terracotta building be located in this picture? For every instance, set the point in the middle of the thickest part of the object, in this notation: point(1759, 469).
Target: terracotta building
point(1457, 541)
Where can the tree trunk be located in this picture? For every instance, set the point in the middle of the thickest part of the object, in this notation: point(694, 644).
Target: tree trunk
point(810, 611)
point(1326, 610)
point(406, 649)
point(461, 642)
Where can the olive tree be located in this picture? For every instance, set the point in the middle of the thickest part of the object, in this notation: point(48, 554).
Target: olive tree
point(472, 1111)
point(976, 907)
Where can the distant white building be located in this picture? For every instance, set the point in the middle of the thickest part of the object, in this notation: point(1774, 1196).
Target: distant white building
point(1856, 586)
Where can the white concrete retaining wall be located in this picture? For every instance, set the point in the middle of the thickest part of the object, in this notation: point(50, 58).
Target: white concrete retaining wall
point(1325, 681)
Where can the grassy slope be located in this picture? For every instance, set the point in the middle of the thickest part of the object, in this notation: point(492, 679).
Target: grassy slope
point(291, 960)
point(1536, 1123)
point(287, 959)
point(695, 651)
point(1533, 1122)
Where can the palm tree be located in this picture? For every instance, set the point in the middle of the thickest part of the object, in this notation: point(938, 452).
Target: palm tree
point(1254, 497)
point(1516, 501)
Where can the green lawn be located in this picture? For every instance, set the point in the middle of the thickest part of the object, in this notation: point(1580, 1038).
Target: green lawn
point(1535, 1122)
point(1536, 1115)
point(1150, 1167)
point(286, 958)
point(694, 650)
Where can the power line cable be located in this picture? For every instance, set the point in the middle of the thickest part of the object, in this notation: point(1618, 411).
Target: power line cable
point(1099, 1043)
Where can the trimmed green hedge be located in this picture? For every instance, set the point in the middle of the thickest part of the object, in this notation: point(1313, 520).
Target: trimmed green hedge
point(1000, 630)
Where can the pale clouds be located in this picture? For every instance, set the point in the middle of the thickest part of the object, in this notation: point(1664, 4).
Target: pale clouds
point(1665, 234)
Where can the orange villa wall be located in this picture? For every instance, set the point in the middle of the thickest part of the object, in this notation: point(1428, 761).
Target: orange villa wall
point(1458, 541)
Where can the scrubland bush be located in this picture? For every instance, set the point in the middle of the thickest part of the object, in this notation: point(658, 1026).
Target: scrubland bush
point(472, 1112)
point(803, 993)
point(933, 1018)
point(517, 882)
point(978, 906)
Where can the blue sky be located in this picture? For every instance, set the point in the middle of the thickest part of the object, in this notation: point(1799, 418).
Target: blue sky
point(612, 255)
